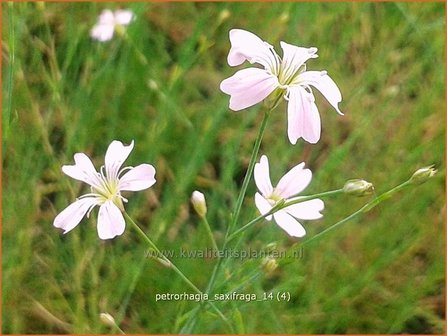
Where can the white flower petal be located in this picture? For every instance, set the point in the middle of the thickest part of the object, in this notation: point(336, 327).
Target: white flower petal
point(289, 224)
point(263, 205)
point(110, 221)
point(102, 32)
point(248, 87)
point(138, 178)
point(247, 46)
point(262, 176)
point(294, 57)
point(295, 181)
point(116, 154)
point(306, 210)
point(106, 17)
point(82, 170)
point(303, 116)
point(323, 83)
point(72, 215)
point(123, 16)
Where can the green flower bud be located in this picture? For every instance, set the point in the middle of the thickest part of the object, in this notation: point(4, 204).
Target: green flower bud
point(269, 264)
point(199, 203)
point(422, 175)
point(358, 187)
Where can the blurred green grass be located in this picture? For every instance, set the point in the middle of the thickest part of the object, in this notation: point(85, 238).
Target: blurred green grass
point(64, 93)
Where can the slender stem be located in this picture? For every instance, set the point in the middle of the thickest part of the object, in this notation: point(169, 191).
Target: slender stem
point(210, 233)
point(237, 210)
point(367, 207)
point(171, 265)
point(311, 197)
point(248, 174)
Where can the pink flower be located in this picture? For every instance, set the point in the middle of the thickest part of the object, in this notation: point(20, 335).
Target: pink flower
point(106, 187)
point(288, 75)
point(108, 21)
point(295, 181)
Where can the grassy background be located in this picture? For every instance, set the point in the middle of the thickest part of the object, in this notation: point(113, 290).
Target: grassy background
point(64, 93)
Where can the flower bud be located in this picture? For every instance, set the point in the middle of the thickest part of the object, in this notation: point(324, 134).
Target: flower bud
point(422, 175)
point(358, 187)
point(107, 320)
point(224, 15)
point(198, 202)
point(269, 264)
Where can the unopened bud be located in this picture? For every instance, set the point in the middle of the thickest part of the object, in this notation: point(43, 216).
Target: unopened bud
point(165, 262)
point(269, 264)
point(358, 187)
point(198, 202)
point(107, 320)
point(223, 15)
point(422, 175)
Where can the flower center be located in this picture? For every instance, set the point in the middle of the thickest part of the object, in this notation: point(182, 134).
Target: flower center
point(108, 190)
point(273, 198)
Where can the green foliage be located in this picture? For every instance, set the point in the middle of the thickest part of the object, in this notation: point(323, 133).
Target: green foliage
point(65, 93)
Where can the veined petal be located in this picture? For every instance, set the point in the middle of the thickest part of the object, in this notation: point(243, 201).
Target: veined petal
point(248, 46)
point(82, 170)
point(110, 221)
point(72, 215)
point(303, 116)
point(138, 178)
point(116, 154)
point(295, 181)
point(123, 16)
point(289, 224)
point(262, 176)
point(248, 87)
point(263, 205)
point(323, 83)
point(102, 32)
point(306, 210)
point(293, 58)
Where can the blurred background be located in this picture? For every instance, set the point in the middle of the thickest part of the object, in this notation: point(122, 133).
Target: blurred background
point(64, 92)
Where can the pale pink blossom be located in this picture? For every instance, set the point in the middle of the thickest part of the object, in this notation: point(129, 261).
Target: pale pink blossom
point(288, 75)
point(107, 23)
point(106, 187)
point(292, 183)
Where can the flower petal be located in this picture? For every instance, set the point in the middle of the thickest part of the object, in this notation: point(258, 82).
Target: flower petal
point(289, 224)
point(116, 154)
point(102, 32)
point(263, 205)
point(262, 176)
point(323, 83)
point(295, 181)
point(247, 46)
point(138, 178)
point(248, 87)
point(307, 209)
point(294, 57)
point(82, 170)
point(123, 16)
point(303, 116)
point(106, 17)
point(72, 215)
point(110, 221)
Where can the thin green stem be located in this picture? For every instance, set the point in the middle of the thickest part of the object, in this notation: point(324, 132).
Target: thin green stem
point(210, 233)
point(161, 255)
point(248, 174)
point(367, 207)
point(172, 266)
